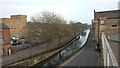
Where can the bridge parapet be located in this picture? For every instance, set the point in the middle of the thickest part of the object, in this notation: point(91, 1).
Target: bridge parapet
point(108, 56)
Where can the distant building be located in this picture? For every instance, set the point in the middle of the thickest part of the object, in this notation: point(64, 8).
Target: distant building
point(106, 21)
point(17, 25)
point(5, 46)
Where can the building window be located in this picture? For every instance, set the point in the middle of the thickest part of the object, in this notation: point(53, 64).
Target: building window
point(9, 51)
point(1, 41)
point(114, 25)
point(0, 33)
point(19, 18)
point(102, 23)
point(3, 51)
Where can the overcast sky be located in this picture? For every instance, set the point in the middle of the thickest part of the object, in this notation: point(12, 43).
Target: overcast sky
point(76, 10)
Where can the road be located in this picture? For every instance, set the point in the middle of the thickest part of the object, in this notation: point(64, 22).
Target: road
point(87, 56)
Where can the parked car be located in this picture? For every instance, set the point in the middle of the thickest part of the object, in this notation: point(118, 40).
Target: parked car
point(15, 42)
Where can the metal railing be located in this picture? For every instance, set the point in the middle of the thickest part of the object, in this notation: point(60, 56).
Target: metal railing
point(109, 59)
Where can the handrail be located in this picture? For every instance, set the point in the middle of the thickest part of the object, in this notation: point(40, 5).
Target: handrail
point(108, 56)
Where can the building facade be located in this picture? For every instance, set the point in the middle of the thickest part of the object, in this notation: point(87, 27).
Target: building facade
point(107, 22)
point(5, 46)
point(17, 25)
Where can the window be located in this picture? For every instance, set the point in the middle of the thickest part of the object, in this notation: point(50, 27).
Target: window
point(0, 33)
point(3, 51)
point(1, 41)
point(19, 18)
point(114, 25)
point(9, 51)
point(102, 23)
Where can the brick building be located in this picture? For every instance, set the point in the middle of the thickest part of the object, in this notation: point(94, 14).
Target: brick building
point(5, 46)
point(17, 25)
point(106, 21)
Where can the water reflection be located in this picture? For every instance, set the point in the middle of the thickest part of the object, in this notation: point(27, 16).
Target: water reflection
point(67, 52)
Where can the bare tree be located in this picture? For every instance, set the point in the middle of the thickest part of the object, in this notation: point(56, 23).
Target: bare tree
point(48, 27)
point(76, 27)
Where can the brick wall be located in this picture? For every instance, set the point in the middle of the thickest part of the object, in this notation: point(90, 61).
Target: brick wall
point(17, 25)
point(6, 38)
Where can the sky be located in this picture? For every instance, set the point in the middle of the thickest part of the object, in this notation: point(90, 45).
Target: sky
point(75, 10)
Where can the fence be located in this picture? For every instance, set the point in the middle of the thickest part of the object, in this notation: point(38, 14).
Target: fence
point(108, 56)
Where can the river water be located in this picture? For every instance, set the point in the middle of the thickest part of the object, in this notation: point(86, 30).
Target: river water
point(66, 53)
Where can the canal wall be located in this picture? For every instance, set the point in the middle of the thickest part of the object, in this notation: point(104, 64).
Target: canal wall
point(33, 59)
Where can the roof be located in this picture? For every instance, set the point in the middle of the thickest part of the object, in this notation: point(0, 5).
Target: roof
point(18, 15)
point(3, 26)
point(109, 14)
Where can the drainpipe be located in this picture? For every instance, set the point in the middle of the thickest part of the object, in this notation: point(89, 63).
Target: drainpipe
point(98, 43)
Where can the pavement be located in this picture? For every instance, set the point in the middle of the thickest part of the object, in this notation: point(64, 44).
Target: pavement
point(114, 42)
point(114, 37)
point(87, 56)
point(115, 48)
